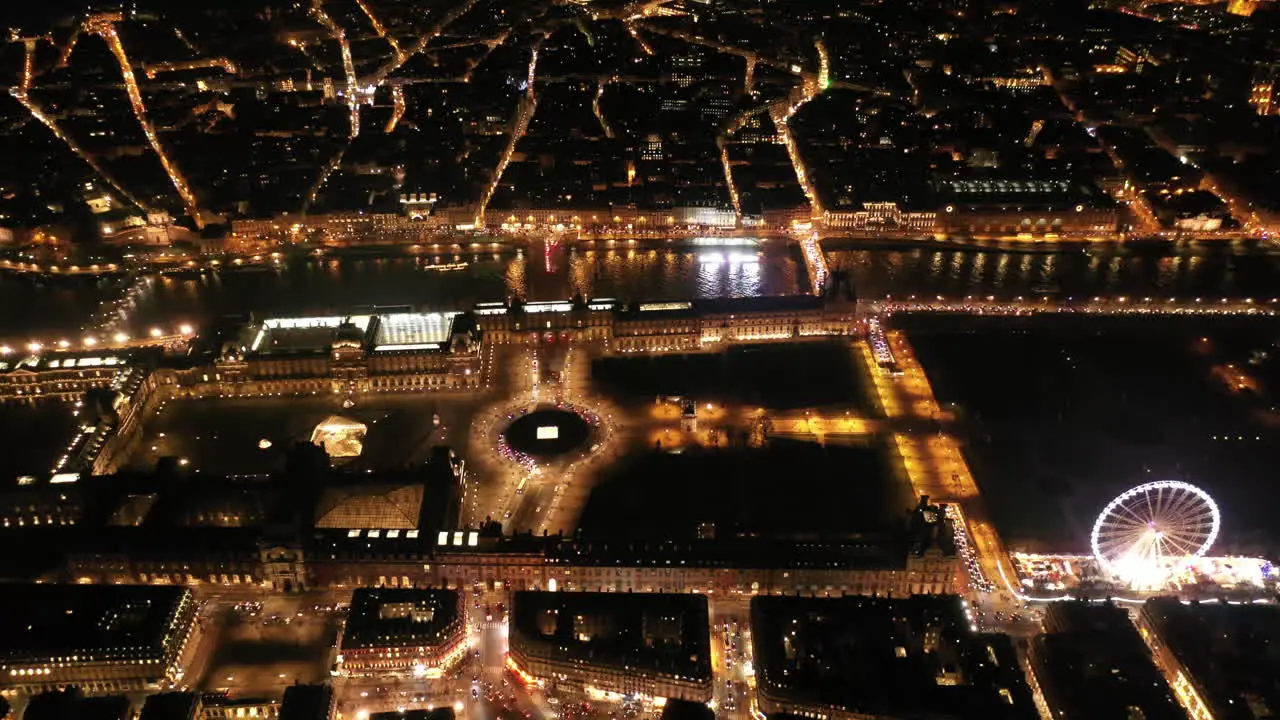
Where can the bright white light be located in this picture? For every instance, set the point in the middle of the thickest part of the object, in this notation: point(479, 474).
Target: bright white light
point(90, 341)
point(1139, 534)
point(548, 432)
point(34, 347)
point(156, 332)
point(120, 337)
point(186, 329)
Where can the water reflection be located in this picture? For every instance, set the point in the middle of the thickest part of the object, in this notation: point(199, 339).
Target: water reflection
point(958, 273)
point(630, 273)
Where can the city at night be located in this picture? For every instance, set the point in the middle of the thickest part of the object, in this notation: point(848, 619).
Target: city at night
point(639, 360)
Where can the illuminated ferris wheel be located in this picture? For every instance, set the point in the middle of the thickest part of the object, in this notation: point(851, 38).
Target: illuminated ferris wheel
point(1147, 526)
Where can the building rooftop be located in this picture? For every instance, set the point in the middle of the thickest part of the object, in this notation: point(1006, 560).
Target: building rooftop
point(375, 506)
point(71, 704)
point(307, 702)
point(1229, 650)
point(1092, 664)
point(382, 617)
point(412, 331)
point(305, 334)
point(906, 657)
point(171, 706)
point(39, 622)
point(656, 632)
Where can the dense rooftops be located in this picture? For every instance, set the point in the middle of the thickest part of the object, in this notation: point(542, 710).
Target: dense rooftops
point(382, 617)
point(1228, 650)
point(908, 657)
point(656, 632)
point(84, 623)
point(1092, 664)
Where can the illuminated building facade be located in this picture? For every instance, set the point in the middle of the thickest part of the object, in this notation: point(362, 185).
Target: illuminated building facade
point(1262, 95)
point(402, 629)
point(464, 560)
point(61, 376)
point(101, 638)
point(881, 217)
point(730, 567)
point(615, 644)
point(344, 354)
point(1026, 208)
point(669, 326)
point(229, 708)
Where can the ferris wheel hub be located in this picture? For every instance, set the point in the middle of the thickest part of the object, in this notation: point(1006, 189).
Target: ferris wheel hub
point(1143, 534)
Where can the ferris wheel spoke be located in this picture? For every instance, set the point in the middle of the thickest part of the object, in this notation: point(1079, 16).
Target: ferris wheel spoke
point(1184, 502)
point(1121, 534)
point(1187, 543)
point(1133, 514)
point(1152, 525)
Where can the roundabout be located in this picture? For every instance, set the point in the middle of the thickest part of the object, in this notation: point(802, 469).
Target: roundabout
point(548, 432)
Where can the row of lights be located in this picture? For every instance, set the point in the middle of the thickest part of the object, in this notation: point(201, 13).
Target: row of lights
point(186, 330)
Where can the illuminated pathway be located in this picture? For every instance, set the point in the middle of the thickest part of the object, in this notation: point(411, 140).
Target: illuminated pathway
point(728, 176)
point(933, 458)
point(323, 177)
point(348, 67)
point(104, 26)
point(1097, 305)
point(397, 99)
point(524, 113)
point(595, 108)
point(732, 127)
point(382, 31)
point(815, 262)
point(164, 67)
point(39, 114)
point(809, 88)
point(403, 56)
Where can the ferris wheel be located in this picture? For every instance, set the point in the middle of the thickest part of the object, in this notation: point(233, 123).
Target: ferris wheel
point(1152, 523)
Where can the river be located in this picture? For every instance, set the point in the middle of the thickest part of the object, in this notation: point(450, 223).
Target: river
point(331, 285)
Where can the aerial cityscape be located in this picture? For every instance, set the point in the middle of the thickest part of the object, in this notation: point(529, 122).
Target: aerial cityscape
point(643, 359)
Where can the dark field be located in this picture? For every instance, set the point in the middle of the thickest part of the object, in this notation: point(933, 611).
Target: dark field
point(790, 489)
point(221, 435)
point(782, 376)
point(1060, 419)
point(34, 436)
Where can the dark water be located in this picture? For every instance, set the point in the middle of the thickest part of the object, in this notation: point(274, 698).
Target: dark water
point(630, 274)
point(339, 285)
point(28, 306)
point(958, 273)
